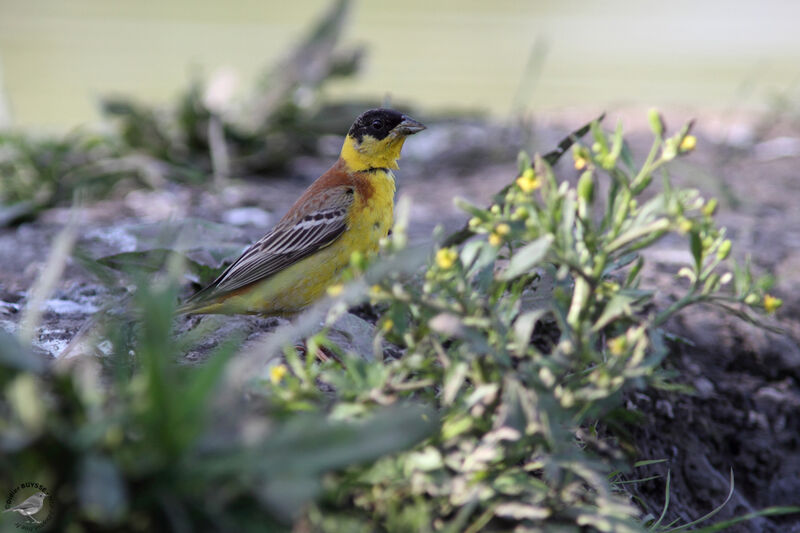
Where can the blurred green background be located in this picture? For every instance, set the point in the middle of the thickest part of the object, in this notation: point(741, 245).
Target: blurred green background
point(57, 58)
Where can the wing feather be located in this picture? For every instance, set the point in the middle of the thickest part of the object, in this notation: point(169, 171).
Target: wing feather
point(302, 232)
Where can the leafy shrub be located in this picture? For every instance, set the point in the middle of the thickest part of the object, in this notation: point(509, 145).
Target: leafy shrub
point(143, 446)
point(557, 265)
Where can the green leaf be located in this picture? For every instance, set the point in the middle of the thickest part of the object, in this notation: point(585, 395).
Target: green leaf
point(101, 490)
point(296, 454)
point(523, 328)
point(527, 257)
point(425, 460)
point(696, 245)
point(599, 137)
point(616, 147)
point(648, 462)
point(626, 156)
point(523, 162)
point(453, 379)
point(155, 260)
point(14, 356)
point(483, 266)
point(648, 233)
point(202, 381)
point(769, 511)
point(621, 262)
point(11, 214)
point(470, 252)
point(619, 305)
point(707, 516)
point(472, 209)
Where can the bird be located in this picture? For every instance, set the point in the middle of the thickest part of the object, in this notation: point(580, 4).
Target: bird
point(31, 506)
point(347, 209)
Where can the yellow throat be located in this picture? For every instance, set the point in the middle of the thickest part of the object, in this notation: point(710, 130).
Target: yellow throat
point(371, 153)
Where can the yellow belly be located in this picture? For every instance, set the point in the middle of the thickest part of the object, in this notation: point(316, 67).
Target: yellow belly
point(304, 282)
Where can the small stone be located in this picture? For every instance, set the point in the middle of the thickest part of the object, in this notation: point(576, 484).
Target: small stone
point(247, 216)
point(8, 308)
point(703, 387)
point(354, 335)
point(66, 307)
point(665, 408)
point(777, 148)
point(755, 418)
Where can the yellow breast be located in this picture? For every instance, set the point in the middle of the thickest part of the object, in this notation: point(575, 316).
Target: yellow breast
point(372, 214)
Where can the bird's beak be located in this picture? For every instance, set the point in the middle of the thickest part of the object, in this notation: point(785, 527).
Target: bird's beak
point(409, 126)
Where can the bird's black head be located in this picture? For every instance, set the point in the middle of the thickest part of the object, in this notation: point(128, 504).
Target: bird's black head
point(376, 138)
point(379, 123)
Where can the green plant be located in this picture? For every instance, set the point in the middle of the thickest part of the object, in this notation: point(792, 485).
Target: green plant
point(143, 445)
point(524, 339)
point(38, 173)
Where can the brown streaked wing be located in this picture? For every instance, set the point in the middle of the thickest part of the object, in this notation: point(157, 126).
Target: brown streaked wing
point(310, 228)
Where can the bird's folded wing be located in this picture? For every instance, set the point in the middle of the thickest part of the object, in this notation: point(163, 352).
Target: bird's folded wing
point(314, 225)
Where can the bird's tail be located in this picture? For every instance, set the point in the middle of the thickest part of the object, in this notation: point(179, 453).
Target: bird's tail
point(198, 307)
point(197, 303)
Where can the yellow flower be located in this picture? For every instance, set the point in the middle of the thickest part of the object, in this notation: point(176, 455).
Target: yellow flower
point(502, 229)
point(618, 345)
point(771, 304)
point(688, 143)
point(580, 163)
point(387, 326)
point(335, 290)
point(496, 237)
point(607, 288)
point(276, 373)
point(528, 182)
point(446, 258)
point(685, 225)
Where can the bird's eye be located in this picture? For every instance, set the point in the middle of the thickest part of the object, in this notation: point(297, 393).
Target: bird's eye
point(377, 125)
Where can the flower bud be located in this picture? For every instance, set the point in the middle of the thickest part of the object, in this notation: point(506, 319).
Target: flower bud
point(520, 213)
point(710, 207)
point(688, 143)
point(670, 150)
point(724, 250)
point(656, 122)
point(586, 187)
point(446, 258)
